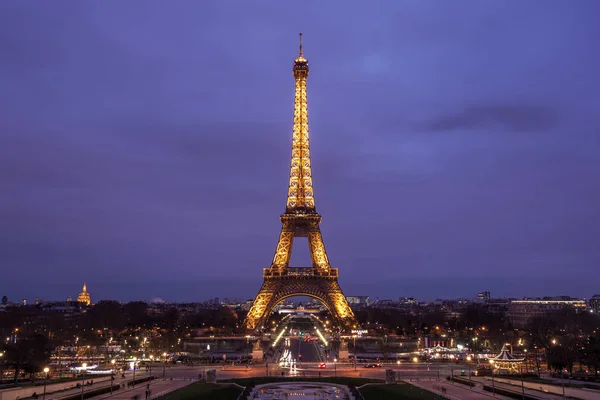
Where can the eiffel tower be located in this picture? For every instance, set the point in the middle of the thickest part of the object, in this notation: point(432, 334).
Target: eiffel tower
point(300, 220)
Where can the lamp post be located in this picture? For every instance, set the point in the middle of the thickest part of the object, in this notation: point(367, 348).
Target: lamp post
point(247, 350)
point(469, 364)
point(354, 350)
point(46, 370)
point(493, 387)
point(1, 366)
point(164, 363)
point(522, 384)
point(112, 376)
point(335, 367)
point(151, 361)
point(83, 367)
point(134, 362)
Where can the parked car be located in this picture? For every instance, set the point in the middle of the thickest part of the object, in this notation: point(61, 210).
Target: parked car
point(322, 365)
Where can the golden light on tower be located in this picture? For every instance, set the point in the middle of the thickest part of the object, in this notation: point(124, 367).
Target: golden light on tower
point(300, 219)
point(84, 296)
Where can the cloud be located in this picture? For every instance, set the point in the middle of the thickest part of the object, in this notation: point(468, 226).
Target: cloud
point(513, 118)
point(155, 141)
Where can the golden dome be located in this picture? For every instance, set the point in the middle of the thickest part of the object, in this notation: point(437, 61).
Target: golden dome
point(84, 296)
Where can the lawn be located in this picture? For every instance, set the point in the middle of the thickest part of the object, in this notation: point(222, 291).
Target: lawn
point(402, 391)
point(200, 391)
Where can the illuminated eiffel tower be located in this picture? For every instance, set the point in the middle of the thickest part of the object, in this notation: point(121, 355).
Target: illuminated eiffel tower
point(300, 220)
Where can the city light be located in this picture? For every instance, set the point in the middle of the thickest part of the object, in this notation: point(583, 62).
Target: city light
point(321, 336)
point(278, 337)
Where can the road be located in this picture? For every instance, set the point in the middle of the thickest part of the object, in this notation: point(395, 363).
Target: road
point(428, 376)
point(306, 352)
point(180, 376)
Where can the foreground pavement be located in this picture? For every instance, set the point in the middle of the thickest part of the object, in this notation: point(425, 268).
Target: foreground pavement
point(423, 377)
point(546, 391)
point(158, 387)
point(97, 385)
point(456, 391)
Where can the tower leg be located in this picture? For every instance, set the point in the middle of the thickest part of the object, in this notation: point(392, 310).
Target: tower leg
point(338, 301)
point(283, 252)
point(274, 291)
point(259, 310)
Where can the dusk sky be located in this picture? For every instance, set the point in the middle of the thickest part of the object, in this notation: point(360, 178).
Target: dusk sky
point(145, 145)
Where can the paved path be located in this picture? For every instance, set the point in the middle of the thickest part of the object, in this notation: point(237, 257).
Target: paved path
point(559, 381)
point(554, 390)
point(97, 385)
point(158, 388)
point(457, 391)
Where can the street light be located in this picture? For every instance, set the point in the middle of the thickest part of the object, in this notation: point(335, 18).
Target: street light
point(112, 376)
point(335, 367)
point(134, 362)
point(469, 364)
point(493, 386)
point(46, 370)
point(83, 367)
point(164, 363)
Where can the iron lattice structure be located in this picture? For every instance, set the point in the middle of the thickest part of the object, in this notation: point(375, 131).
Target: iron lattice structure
point(300, 220)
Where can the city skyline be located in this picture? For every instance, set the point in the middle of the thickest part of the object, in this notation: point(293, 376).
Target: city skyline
point(186, 292)
point(447, 158)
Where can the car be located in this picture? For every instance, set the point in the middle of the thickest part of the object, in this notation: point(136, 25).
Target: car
point(372, 366)
point(322, 365)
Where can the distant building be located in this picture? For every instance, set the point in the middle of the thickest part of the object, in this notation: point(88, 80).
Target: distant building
point(358, 300)
point(483, 297)
point(407, 300)
point(84, 296)
point(595, 303)
point(520, 312)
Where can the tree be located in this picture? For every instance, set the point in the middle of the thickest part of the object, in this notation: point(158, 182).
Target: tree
point(4, 300)
point(591, 353)
point(107, 314)
point(137, 313)
point(30, 353)
point(564, 354)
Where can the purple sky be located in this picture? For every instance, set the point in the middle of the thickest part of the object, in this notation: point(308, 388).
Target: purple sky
point(144, 146)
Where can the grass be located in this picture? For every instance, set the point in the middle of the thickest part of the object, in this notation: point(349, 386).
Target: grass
point(403, 391)
point(200, 391)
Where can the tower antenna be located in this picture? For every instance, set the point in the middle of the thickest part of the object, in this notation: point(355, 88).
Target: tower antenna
point(300, 44)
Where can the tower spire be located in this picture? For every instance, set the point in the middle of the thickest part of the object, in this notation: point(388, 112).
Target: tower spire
point(300, 190)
